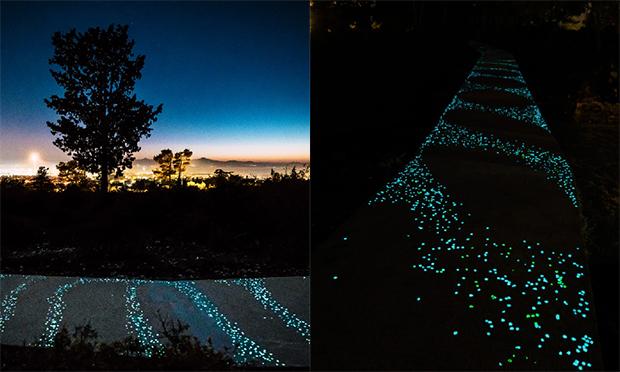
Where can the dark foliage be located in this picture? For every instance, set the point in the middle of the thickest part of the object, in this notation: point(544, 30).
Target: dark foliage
point(71, 177)
point(100, 119)
point(181, 161)
point(82, 351)
point(165, 163)
point(42, 181)
point(234, 230)
point(12, 183)
point(170, 164)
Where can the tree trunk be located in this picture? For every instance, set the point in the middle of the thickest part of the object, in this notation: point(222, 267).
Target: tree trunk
point(104, 173)
point(104, 180)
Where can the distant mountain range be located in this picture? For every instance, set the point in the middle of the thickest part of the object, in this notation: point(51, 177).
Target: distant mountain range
point(205, 166)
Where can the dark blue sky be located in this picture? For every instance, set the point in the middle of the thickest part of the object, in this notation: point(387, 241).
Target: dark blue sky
point(233, 77)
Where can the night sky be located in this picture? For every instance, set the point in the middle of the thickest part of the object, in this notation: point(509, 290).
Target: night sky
point(233, 77)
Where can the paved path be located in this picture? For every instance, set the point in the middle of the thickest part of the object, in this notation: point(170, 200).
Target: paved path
point(471, 257)
point(267, 318)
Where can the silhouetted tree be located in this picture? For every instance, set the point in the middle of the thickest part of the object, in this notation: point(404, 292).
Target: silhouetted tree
point(100, 119)
point(181, 161)
point(119, 185)
point(73, 177)
point(12, 183)
point(220, 173)
point(71, 173)
point(275, 176)
point(144, 184)
point(235, 179)
point(221, 177)
point(42, 180)
point(294, 174)
point(304, 174)
point(165, 161)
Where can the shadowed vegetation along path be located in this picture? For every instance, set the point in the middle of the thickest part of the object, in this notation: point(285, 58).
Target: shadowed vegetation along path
point(471, 257)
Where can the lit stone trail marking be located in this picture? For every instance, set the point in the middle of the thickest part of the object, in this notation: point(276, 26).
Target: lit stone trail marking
point(529, 114)
point(505, 76)
point(247, 349)
point(506, 70)
point(58, 305)
point(530, 296)
point(416, 187)
point(512, 65)
point(472, 86)
point(260, 292)
point(10, 300)
point(138, 324)
point(55, 312)
point(553, 165)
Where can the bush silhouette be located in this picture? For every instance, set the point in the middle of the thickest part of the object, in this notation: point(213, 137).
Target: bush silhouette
point(81, 350)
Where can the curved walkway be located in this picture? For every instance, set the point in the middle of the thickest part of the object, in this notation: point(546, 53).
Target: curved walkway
point(471, 257)
point(267, 319)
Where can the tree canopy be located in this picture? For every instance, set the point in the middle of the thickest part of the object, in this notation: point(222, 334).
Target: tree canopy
point(100, 120)
point(165, 162)
point(42, 181)
point(169, 164)
point(181, 161)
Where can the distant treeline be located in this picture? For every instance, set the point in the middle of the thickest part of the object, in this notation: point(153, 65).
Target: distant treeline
point(71, 178)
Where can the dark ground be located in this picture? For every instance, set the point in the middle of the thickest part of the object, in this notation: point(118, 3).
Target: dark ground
point(360, 140)
point(377, 94)
point(232, 231)
point(558, 72)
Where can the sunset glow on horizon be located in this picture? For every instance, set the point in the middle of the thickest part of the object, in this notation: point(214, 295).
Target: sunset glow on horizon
point(230, 90)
